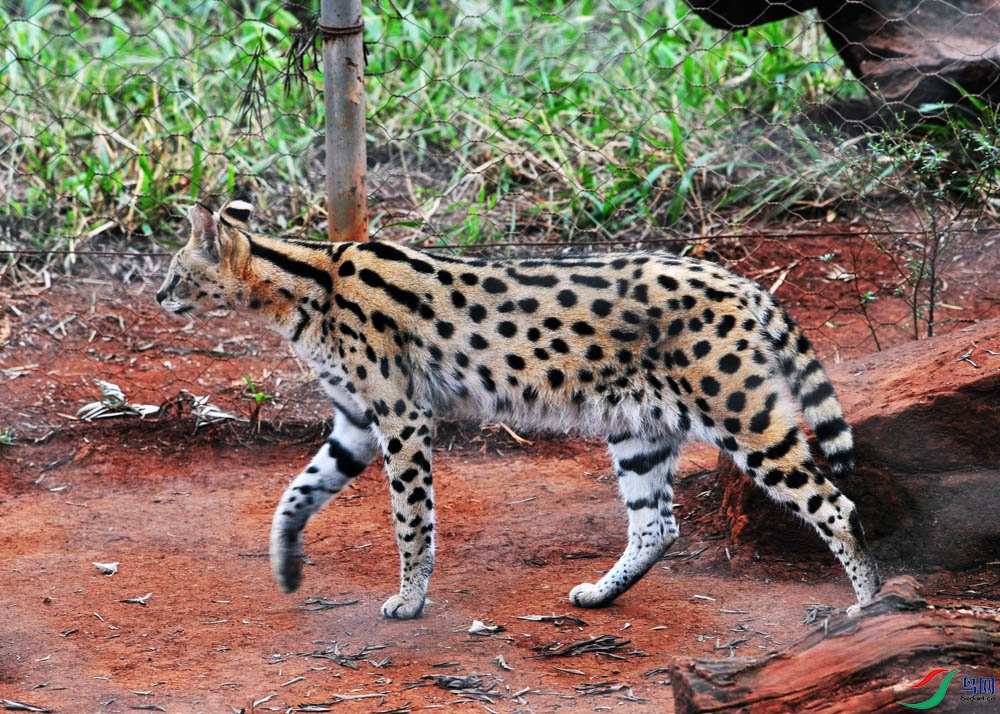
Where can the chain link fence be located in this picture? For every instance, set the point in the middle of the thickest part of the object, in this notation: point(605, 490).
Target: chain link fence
point(789, 150)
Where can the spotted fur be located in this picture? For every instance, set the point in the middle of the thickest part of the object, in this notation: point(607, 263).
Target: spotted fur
point(646, 349)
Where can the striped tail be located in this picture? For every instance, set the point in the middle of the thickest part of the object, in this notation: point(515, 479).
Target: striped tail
point(810, 386)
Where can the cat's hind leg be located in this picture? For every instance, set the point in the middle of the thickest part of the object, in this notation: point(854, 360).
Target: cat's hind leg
point(645, 470)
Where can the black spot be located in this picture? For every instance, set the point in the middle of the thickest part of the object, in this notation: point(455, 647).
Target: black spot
point(347, 464)
point(710, 386)
point(346, 269)
point(680, 359)
point(461, 359)
point(760, 421)
point(555, 377)
point(624, 356)
point(727, 323)
point(541, 281)
point(753, 381)
point(420, 460)
point(445, 278)
point(507, 328)
point(566, 298)
point(469, 278)
point(506, 306)
point(594, 352)
point(815, 501)
point(717, 295)
point(729, 364)
point(486, 378)
point(591, 281)
point(445, 329)
point(640, 293)
point(782, 448)
point(601, 308)
point(559, 346)
point(418, 495)
point(667, 282)
point(515, 361)
point(773, 477)
point(701, 348)
point(478, 342)
point(553, 323)
point(736, 401)
point(582, 328)
point(458, 299)
point(529, 393)
point(533, 334)
point(541, 353)
point(694, 324)
point(528, 305)
point(624, 335)
point(477, 313)
point(796, 479)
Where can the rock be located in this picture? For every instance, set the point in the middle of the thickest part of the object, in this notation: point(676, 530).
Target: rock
point(927, 436)
point(919, 52)
point(740, 14)
point(849, 664)
point(909, 53)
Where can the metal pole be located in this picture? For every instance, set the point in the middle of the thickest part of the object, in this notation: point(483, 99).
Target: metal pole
point(342, 28)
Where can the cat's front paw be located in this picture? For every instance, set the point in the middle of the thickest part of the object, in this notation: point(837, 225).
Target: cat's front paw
point(286, 561)
point(587, 595)
point(400, 608)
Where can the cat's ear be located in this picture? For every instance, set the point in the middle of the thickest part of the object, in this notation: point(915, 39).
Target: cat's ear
point(237, 213)
point(204, 231)
point(234, 246)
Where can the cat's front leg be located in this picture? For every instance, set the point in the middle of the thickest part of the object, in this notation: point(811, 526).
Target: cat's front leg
point(345, 454)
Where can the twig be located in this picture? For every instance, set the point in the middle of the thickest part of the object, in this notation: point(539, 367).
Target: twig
point(603, 644)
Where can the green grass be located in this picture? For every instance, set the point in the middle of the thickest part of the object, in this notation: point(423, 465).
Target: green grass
point(559, 121)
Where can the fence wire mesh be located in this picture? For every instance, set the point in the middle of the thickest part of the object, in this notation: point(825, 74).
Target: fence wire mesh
point(868, 204)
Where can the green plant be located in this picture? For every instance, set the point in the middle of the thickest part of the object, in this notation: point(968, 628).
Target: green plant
point(942, 171)
point(258, 396)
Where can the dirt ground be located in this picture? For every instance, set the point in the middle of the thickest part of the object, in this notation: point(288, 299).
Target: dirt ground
point(191, 620)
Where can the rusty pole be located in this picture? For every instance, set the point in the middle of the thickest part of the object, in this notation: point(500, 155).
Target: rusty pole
point(342, 27)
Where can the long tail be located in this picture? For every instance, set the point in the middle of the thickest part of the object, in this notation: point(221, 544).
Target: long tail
point(810, 386)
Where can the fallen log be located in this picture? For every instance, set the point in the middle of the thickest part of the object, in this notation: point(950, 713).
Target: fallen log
point(870, 662)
